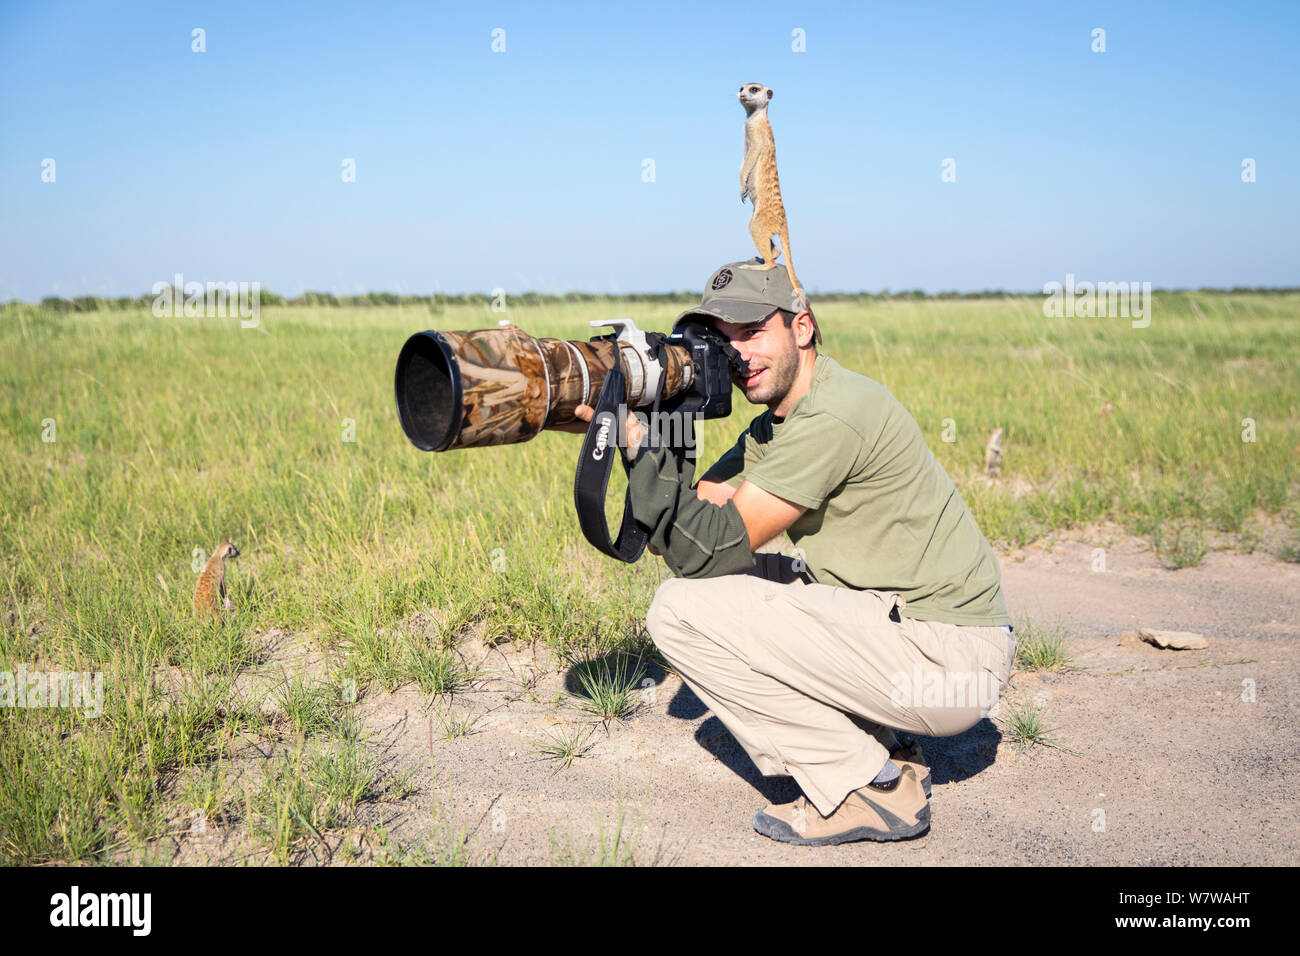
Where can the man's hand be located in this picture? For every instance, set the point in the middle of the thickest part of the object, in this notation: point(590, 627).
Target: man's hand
point(634, 430)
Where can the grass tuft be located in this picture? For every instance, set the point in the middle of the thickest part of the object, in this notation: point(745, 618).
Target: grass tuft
point(607, 685)
point(565, 745)
point(1041, 647)
point(453, 724)
point(1180, 545)
point(437, 670)
point(1024, 726)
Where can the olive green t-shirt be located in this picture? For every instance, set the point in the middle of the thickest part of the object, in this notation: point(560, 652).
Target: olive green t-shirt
point(882, 512)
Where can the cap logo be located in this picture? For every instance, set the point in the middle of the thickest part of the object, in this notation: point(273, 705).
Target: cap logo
point(721, 279)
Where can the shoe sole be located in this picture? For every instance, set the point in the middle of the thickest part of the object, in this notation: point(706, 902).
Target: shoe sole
point(780, 830)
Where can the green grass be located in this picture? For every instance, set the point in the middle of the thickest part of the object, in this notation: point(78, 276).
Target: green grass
point(171, 434)
point(1041, 647)
point(1024, 726)
point(565, 745)
point(1290, 551)
point(305, 794)
point(613, 846)
point(453, 724)
point(311, 707)
point(206, 793)
point(608, 685)
point(1181, 543)
point(437, 670)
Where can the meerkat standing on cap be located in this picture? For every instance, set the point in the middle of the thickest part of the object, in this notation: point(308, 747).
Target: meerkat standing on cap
point(210, 592)
point(759, 183)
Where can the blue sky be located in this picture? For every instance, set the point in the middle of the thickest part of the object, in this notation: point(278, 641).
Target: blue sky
point(523, 169)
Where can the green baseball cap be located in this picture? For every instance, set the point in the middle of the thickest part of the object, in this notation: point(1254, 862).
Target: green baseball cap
point(743, 296)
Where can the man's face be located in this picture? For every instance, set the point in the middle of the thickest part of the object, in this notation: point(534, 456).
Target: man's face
point(773, 357)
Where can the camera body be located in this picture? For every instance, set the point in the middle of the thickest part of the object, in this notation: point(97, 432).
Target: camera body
point(713, 359)
point(706, 384)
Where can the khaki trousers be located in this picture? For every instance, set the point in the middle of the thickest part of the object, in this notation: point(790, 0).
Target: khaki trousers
point(811, 679)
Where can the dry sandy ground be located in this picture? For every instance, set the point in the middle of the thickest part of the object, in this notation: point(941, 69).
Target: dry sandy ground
point(1176, 767)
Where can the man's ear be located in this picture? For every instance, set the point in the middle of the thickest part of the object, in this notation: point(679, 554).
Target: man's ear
point(798, 325)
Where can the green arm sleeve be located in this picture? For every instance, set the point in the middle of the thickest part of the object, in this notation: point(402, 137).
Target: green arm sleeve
point(698, 539)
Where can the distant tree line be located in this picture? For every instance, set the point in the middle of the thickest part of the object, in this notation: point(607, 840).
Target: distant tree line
point(438, 301)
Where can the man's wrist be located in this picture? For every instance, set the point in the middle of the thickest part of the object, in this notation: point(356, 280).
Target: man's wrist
point(631, 452)
point(660, 459)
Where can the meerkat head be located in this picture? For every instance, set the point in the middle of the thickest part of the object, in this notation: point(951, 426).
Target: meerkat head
point(227, 550)
point(754, 96)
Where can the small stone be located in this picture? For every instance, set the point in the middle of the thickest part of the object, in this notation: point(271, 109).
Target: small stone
point(1175, 640)
point(1130, 639)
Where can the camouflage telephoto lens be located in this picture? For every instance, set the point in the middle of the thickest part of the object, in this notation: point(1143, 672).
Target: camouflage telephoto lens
point(501, 386)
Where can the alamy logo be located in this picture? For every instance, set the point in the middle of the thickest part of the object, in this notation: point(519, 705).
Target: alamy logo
point(963, 690)
point(66, 689)
point(214, 300)
point(103, 909)
point(661, 429)
point(1098, 300)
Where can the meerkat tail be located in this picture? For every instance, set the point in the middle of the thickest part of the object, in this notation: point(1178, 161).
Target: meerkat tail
point(789, 265)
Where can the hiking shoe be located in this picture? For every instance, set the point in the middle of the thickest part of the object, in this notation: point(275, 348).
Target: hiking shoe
point(879, 811)
point(912, 756)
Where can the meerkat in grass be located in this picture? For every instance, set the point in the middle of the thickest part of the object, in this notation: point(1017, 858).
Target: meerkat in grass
point(210, 592)
point(993, 453)
point(760, 185)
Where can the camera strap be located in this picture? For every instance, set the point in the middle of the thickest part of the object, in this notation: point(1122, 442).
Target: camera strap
point(590, 482)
